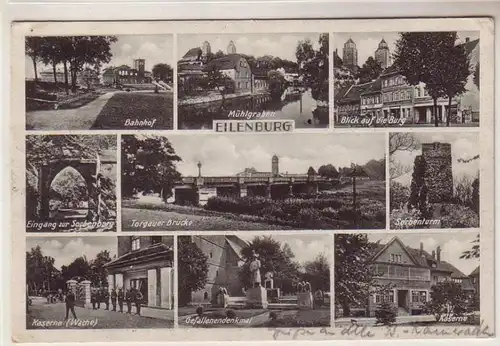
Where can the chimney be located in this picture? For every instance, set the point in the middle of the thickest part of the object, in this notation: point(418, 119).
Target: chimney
point(467, 39)
point(421, 249)
point(434, 254)
point(438, 253)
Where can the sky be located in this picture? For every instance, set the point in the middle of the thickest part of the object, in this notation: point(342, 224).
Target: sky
point(464, 145)
point(66, 249)
point(153, 48)
point(367, 42)
point(453, 244)
point(281, 45)
point(223, 155)
point(305, 247)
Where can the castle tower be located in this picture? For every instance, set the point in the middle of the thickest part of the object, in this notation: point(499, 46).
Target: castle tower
point(275, 170)
point(350, 53)
point(383, 55)
point(206, 49)
point(438, 171)
point(231, 48)
point(140, 67)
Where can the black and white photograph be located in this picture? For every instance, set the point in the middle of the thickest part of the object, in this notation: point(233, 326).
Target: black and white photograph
point(406, 79)
point(434, 180)
point(99, 282)
point(253, 182)
point(253, 77)
point(417, 279)
point(99, 82)
point(233, 281)
point(71, 183)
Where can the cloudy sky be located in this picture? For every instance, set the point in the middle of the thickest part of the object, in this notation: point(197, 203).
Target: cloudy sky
point(367, 43)
point(464, 145)
point(223, 155)
point(153, 48)
point(281, 45)
point(305, 247)
point(66, 249)
point(453, 244)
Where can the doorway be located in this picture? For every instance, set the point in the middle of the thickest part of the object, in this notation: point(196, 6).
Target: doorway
point(402, 297)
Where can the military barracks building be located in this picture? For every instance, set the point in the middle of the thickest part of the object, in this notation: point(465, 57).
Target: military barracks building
point(273, 184)
point(412, 272)
point(145, 263)
point(196, 63)
point(224, 262)
point(390, 95)
point(127, 75)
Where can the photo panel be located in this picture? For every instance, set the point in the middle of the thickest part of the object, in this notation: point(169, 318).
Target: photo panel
point(253, 182)
point(434, 180)
point(247, 76)
point(406, 79)
point(106, 282)
point(71, 183)
point(99, 82)
point(407, 279)
point(254, 281)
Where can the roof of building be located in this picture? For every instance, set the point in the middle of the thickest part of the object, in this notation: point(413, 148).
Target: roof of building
point(475, 272)
point(350, 40)
point(374, 88)
point(469, 46)
point(153, 252)
point(390, 70)
point(236, 243)
point(227, 62)
point(193, 52)
point(354, 93)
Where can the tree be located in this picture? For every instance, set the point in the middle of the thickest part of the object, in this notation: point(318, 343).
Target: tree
point(274, 258)
point(418, 188)
point(477, 75)
point(313, 66)
point(216, 80)
point(40, 270)
point(162, 71)
point(80, 267)
point(219, 54)
point(419, 56)
point(33, 47)
point(99, 272)
point(353, 275)
point(50, 53)
point(148, 165)
point(328, 171)
point(474, 251)
point(400, 141)
point(317, 272)
point(277, 83)
point(370, 70)
point(192, 269)
point(337, 61)
point(446, 298)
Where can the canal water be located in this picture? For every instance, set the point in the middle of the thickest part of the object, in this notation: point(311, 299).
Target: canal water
point(300, 107)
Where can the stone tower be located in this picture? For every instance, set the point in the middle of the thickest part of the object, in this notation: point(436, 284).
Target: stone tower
point(383, 55)
point(350, 53)
point(205, 48)
point(438, 173)
point(275, 170)
point(231, 48)
point(140, 67)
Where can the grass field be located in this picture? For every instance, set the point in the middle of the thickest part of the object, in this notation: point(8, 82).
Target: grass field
point(132, 106)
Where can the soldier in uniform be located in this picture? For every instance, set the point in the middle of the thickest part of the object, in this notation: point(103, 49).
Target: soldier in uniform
point(129, 298)
point(70, 304)
point(113, 298)
point(93, 298)
point(121, 297)
point(105, 296)
point(138, 300)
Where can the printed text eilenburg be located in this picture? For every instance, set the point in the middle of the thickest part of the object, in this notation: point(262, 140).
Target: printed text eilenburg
point(253, 125)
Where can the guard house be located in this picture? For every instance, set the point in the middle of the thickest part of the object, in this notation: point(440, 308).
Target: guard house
point(145, 263)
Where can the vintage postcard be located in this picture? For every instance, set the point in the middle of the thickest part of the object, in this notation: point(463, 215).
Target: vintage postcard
point(253, 180)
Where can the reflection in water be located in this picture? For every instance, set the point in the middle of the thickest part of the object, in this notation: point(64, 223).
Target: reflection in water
point(300, 107)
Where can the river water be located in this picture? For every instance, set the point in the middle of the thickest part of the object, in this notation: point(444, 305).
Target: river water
point(301, 108)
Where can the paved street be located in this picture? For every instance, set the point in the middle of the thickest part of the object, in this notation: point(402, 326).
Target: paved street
point(81, 118)
point(39, 314)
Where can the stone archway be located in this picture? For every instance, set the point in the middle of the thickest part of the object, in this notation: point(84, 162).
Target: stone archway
point(88, 169)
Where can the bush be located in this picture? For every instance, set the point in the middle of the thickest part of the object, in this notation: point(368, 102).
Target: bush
point(273, 315)
point(458, 216)
point(399, 195)
point(199, 311)
point(385, 313)
point(230, 314)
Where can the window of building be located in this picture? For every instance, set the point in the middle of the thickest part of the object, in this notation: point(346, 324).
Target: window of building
point(408, 94)
point(377, 100)
point(419, 296)
point(396, 258)
point(387, 297)
point(136, 243)
point(217, 273)
point(156, 239)
point(210, 254)
point(205, 296)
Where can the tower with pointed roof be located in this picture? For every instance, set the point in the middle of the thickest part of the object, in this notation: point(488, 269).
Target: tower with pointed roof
point(231, 48)
point(383, 55)
point(350, 53)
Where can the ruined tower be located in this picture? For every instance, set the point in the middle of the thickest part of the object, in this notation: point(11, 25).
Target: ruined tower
point(275, 170)
point(438, 173)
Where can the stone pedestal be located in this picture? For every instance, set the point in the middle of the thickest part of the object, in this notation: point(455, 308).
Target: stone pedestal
point(85, 284)
point(223, 300)
point(305, 300)
point(256, 298)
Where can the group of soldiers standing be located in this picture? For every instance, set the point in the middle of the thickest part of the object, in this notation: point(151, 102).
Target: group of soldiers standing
point(130, 296)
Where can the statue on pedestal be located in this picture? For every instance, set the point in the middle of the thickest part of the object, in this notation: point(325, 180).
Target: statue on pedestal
point(255, 270)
